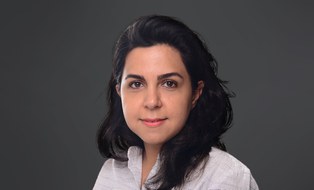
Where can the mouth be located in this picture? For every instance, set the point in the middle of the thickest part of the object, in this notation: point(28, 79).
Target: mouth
point(153, 122)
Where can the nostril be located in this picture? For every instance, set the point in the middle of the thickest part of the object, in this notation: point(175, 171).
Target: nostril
point(152, 99)
point(153, 103)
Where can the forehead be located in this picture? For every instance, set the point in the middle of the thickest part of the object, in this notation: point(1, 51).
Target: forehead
point(156, 59)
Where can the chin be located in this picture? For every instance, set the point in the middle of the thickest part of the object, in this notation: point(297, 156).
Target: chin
point(153, 142)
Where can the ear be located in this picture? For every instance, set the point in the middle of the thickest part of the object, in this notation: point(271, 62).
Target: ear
point(118, 89)
point(197, 93)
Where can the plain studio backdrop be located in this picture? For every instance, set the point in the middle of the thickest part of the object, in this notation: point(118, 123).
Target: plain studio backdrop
point(55, 64)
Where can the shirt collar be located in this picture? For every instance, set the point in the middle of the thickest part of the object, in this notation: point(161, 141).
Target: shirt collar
point(135, 163)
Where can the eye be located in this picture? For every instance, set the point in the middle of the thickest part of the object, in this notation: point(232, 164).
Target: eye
point(170, 84)
point(136, 84)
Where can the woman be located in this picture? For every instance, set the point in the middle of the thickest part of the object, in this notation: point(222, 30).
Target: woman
point(167, 112)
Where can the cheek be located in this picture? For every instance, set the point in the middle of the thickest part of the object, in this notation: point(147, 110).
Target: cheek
point(180, 106)
point(129, 105)
point(126, 106)
point(129, 115)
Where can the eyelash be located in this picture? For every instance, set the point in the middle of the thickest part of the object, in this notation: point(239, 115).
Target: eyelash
point(139, 84)
point(135, 83)
point(173, 84)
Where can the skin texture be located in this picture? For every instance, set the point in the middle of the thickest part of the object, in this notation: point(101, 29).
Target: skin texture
point(156, 95)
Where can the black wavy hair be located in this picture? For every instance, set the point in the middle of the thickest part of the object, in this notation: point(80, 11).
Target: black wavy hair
point(207, 121)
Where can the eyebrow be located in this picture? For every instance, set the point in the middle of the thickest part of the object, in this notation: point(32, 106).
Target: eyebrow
point(140, 77)
point(167, 75)
point(160, 77)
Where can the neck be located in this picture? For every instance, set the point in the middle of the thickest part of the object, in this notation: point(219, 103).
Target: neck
point(150, 155)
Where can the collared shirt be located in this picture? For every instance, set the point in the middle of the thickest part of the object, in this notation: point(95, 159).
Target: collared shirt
point(222, 172)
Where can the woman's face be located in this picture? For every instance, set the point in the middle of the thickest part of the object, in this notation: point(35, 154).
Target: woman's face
point(156, 93)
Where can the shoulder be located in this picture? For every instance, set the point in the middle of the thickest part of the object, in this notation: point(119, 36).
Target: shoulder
point(112, 165)
point(227, 172)
point(115, 174)
point(224, 171)
point(226, 162)
point(109, 173)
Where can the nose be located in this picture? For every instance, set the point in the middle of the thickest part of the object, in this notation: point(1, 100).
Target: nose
point(152, 99)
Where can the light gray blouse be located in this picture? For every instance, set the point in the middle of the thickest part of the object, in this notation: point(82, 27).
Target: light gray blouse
point(222, 171)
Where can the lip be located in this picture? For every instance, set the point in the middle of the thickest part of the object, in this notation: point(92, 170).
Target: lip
point(155, 122)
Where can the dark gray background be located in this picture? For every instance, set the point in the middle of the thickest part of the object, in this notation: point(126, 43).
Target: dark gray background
point(56, 60)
